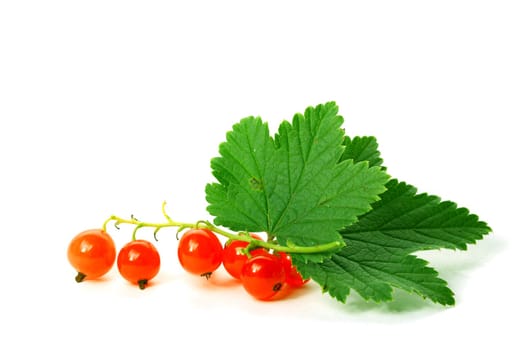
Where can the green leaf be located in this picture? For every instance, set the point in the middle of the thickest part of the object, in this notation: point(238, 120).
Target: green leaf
point(360, 149)
point(292, 186)
point(377, 257)
point(412, 222)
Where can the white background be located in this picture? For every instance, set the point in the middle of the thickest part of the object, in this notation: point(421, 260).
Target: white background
point(111, 107)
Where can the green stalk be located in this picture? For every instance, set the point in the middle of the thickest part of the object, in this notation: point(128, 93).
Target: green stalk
point(253, 243)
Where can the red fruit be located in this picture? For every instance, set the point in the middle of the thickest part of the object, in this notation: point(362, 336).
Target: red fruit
point(263, 276)
point(92, 253)
point(200, 252)
point(138, 262)
point(293, 277)
point(233, 259)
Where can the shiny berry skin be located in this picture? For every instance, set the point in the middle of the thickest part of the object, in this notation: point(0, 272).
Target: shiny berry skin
point(263, 276)
point(138, 262)
point(200, 252)
point(293, 277)
point(233, 259)
point(92, 253)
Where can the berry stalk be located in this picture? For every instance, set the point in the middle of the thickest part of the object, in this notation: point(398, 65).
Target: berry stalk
point(204, 224)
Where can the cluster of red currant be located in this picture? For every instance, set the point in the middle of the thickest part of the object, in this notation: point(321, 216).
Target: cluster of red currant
point(262, 273)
